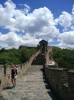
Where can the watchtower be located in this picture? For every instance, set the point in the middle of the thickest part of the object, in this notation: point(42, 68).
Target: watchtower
point(43, 46)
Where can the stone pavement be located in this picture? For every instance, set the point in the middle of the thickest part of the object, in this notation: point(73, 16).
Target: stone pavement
point(30, 86)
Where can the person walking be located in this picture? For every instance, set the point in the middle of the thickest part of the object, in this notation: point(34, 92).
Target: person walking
point(13, 75)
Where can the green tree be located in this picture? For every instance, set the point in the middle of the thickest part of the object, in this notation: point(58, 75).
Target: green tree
point(64, 57)
point(16, 56)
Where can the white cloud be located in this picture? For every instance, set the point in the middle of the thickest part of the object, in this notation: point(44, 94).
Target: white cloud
point(15, 40)
point(9, 40)
point(65, 20)
point(66, 39)
point(72, 27)
point(40, 23)
point(73, 10)
point(26, 9)
point(34, 26)
point(34, 21)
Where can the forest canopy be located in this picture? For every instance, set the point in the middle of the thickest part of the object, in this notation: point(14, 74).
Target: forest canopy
point(16, 56)
point(63, 57)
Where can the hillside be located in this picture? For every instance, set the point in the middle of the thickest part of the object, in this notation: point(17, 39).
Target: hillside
point(64, 57)
point(16, 56)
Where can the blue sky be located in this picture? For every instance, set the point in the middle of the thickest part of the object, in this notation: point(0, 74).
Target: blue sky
point(56, 6)
point(26, 22)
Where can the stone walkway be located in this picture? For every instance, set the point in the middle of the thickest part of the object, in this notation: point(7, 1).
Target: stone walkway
point(29, 87)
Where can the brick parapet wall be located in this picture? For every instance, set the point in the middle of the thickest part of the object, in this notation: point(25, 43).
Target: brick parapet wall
point(61, 79)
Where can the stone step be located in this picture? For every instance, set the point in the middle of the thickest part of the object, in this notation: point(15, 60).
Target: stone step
point(39, 60)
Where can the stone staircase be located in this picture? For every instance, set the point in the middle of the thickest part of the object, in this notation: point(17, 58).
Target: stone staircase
point(39, 60)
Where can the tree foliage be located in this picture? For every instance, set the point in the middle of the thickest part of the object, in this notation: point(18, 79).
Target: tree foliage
point(16, 56)
point(64, 57)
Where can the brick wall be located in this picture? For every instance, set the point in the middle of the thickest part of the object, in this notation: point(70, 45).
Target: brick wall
point(61, 80)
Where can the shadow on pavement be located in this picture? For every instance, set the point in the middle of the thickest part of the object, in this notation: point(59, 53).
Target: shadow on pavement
point(8, 87)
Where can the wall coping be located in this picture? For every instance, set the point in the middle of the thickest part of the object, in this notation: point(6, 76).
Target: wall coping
point(71, 71)
point(65, 85)
point(55, 68)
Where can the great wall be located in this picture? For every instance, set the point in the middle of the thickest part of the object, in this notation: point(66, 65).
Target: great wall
point(60, 79)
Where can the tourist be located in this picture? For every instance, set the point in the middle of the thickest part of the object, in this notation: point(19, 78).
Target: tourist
point(13, 74)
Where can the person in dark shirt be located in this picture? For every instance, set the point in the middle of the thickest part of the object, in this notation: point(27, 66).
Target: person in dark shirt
point(13, 74)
